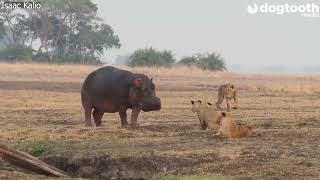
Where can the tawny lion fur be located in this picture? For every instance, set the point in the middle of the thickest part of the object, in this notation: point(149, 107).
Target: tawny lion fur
point(228, 92)
point(231, 130)
point(207, 115)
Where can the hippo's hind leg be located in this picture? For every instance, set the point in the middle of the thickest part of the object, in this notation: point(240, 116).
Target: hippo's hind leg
point(87, 107)
point(87, 114)
point(97, 116)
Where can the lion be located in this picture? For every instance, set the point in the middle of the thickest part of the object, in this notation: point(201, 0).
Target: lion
point(207, 115)
point(229, 92)
point(231, 130)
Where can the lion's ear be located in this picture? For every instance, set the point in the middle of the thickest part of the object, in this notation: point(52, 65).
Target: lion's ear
point(199, 101)
point(192, 101)
point(223, 114)
point(209, 104)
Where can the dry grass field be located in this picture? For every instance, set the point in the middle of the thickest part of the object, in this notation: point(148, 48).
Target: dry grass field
point(41, 113)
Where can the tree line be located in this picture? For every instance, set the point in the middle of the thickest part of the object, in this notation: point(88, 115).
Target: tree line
point(67, 30)
point(153, 57)
point(70, 31)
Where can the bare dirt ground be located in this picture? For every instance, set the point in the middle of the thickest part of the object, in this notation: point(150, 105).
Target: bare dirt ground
point(41, 113)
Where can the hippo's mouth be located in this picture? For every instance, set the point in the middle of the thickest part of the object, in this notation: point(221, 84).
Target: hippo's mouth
point(147, 108)
point(150, 104)
point(153, 108)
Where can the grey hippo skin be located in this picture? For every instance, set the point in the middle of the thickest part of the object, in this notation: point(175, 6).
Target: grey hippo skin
point(110, 90)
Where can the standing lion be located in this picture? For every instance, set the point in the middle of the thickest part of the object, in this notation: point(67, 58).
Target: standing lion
point(229, 92)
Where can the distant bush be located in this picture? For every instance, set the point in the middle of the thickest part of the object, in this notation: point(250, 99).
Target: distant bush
point(205, 61)
point(188, 61)
point(70, 58)
point(151, 57)
point(78, 59)
point(17, 52)
point(41, 57)
point(212, 62)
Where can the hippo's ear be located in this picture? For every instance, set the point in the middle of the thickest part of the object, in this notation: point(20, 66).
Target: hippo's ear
point(192, 101)
point(137, 82)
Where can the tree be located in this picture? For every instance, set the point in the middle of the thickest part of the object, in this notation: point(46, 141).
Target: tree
point(2, 30)
point(212, 62)
point(90, 40)
point(205, 61)
point(16, 52)
point(8, 19)
point(188, 61)
point(66, 29)
point(151, 57)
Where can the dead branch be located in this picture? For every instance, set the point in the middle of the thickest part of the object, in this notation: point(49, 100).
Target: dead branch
point(26, 161)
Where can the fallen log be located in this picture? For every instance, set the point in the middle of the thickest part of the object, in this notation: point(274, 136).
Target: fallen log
point(26, 161)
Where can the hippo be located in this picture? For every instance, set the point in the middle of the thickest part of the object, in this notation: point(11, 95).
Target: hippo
point(110, 90)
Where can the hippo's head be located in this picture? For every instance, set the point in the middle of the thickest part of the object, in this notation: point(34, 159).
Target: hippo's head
point(143, 93)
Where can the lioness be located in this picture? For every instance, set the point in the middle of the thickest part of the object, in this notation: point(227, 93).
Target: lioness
point(207, 116)
point(229, 92)
point(231, 130)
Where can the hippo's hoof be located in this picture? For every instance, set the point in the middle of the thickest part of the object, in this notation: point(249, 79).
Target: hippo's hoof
point(134, 125)
point(124, 125)
point(88, 124)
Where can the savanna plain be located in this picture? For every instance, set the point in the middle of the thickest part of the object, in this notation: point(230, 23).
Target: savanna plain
point(41, 113)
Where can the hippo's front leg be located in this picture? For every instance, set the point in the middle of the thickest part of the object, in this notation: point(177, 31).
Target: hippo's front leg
point(123, 116)
point(134, 115)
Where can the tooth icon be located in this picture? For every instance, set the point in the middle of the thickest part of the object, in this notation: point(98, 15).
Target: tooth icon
point(253, 10)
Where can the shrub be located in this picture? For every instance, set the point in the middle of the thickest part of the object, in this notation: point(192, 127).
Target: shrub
point(212, 62)
point(188, 61)
point(70, 58)
point(41, 57)
point(16, 52)
point(34, 148)
point(151, 57)
point(77, 58)
point(205, 61)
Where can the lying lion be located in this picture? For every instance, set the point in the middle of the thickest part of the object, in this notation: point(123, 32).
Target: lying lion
point(229, 92)
point(231, 130)
point(207, 115)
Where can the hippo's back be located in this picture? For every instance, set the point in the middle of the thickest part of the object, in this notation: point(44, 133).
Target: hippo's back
point(106, 84)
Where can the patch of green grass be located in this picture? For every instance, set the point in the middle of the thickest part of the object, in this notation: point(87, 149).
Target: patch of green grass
point(266, 174)
point(34, 148)
point(209, 177)
point(60, 161)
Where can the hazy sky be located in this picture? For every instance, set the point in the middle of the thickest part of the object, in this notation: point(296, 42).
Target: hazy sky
point(194, 26)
